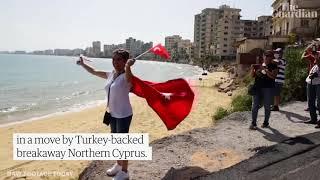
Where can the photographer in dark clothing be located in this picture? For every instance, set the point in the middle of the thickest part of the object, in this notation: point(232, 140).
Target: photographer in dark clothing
point(264, 75)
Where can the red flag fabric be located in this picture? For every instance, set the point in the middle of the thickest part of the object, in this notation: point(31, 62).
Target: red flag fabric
point(160, 51)
point(171, 100)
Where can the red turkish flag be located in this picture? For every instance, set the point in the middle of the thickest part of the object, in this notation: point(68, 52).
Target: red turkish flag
point(161, 51)
point(171, 100)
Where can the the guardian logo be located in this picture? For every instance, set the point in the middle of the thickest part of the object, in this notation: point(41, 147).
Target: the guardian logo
point(292, 11)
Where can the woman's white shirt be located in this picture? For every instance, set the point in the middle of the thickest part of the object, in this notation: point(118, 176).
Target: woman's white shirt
point(316, 80)
point(119, 102)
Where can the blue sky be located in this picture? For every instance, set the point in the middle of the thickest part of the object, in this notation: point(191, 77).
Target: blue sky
point(43, 24)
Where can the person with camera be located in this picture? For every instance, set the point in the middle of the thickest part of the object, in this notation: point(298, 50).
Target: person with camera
point(313, 90)
point(309, 55)
point(118, 86)
point(265, 75)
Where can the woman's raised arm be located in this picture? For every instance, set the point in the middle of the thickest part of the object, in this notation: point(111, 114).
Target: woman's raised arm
point(92, 70)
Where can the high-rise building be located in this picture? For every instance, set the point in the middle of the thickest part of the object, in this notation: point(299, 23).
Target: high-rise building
point(171, 42)
point(147, 46)
point(136, 47)
point(62, 52)
point(250, 28)
point(265, 26)
point(215, 31)
point(96, 45)
point(178, 48)
point(131, 46)
point(205, 31)
point(89, 52)
point(19, 52)
point(77, 52)
point(108, 49)
point(48, 52)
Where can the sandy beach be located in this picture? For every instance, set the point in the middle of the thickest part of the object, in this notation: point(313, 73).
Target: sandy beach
point(90, 121)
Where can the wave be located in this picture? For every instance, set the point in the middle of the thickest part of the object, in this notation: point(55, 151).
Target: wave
point(73, 95)
point(9, 109)
point(13, 109)
point(79, 93)
point(179, 67)
point(74, 108)
point(64, 84)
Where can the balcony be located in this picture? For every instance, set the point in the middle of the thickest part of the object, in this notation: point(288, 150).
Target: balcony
point(280, 33)
point(278, 39)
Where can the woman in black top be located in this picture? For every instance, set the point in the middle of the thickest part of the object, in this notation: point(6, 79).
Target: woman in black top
point(265, 75)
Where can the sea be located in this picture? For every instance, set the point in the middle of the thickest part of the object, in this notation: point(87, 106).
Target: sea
point(36, 86)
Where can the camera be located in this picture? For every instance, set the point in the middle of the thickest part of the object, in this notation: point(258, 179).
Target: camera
point(313, 75)
point(314, 49)
point(255, 66)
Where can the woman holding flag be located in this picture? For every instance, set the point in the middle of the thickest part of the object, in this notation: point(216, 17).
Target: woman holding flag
point(171, 100)
point(117, 87)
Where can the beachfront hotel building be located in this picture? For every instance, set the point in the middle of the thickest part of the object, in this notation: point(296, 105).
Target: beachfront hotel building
point(108, 49)
point(215, 31)
point(260, 28)
point(137, 47)
point(178, 47)
point(134, 46)
point(289, 19)
point(265, 26)
point(171, 42)
point(250, 28)
point(96, 48)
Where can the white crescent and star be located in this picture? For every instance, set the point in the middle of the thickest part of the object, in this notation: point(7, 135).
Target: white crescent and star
point(167, 96)
point(156, 49)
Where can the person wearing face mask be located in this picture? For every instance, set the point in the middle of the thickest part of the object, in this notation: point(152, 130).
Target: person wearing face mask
point(279, 81)
point(313, 86)
point(265, 75)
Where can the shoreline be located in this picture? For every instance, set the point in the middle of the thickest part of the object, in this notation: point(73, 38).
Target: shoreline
point(88, 105)
point(83, 106)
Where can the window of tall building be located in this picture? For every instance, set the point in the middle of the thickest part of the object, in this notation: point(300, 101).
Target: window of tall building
point(226, 22)
point(225, 33)
point(224, 51)
point(226, 27)
point(226, 39)
point(225, 45)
